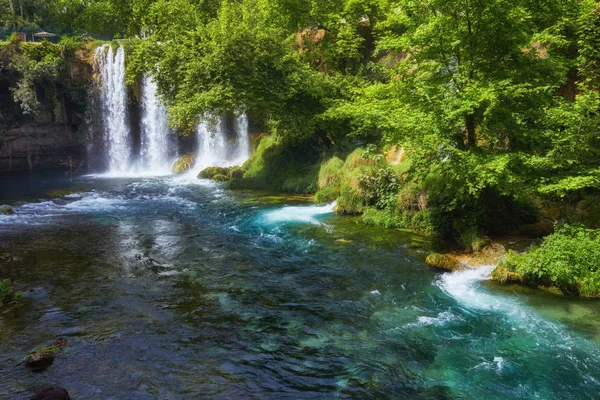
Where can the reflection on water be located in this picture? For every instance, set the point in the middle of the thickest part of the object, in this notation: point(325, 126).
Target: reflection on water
point(167, 288)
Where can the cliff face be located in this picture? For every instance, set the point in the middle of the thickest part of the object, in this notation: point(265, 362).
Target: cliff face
point(50, 135)
point(34, 145)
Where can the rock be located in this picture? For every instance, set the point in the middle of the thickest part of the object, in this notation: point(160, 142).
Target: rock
point(444, 261)
point(211, 172)
point(503, 275)
point(542, 228)
point(236, 173)
point(220, 178)
point(51, 393)
point(41, 358)
point(183, 163)
point(6, 210)
point(395, 155)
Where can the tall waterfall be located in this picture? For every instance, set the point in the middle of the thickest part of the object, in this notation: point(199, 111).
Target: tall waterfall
point(113, 97)
point(217, 148)
point(158, 146)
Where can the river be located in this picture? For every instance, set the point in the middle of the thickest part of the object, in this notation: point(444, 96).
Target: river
point(175, 288)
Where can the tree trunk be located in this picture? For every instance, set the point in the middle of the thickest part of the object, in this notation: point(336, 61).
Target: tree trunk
point(12, 11)
point(324, 138)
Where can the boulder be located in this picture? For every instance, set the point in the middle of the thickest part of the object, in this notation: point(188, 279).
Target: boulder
point(220, 178)
point(41, 358)
point(444, 261)
point(51, 393)
point(236, 173)
point(211, 172)
point(503, 275)
point(183, 163)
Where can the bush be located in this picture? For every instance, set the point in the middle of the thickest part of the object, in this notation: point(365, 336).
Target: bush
point(7, 294)
point(568, 259)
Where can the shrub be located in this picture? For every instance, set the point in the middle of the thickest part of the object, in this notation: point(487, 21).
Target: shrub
point(568, 259)
point(7, 294)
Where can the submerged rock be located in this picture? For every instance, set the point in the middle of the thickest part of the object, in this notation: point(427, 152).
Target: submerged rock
point(183, 163)
point(41, 358)
point(444, 261)
point(51, 393)
point(7, 210)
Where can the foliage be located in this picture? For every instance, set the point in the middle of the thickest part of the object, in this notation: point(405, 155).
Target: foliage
point(568, 259)
point(280, 165)
point(7, 294)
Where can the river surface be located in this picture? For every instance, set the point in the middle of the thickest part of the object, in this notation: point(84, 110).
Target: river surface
point(176, 288)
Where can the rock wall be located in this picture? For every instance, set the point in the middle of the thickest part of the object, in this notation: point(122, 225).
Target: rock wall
point(34, 145)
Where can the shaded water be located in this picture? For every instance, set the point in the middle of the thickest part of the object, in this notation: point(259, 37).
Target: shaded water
point(172, 289)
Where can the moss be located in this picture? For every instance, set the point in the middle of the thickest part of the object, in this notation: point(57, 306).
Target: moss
point(221, 178)
point(236, 173)
point(444, 261)
point(63, 192)
point(6, 210)
point(503, 275)
point(281, 165)
point(211, 172)
point(183, 163)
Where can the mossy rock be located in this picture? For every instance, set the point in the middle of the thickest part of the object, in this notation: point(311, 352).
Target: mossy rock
point(63, 192)
point(236, 173)
point(444, 261)
point(6, 210)
point(183, 164)
point(41, 358)
point(220, 178)
point(211, 172)
point(503, 275)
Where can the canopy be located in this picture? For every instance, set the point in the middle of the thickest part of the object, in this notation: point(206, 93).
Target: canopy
point(44, 34)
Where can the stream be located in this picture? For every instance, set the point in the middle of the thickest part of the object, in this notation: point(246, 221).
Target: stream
point(174, 288)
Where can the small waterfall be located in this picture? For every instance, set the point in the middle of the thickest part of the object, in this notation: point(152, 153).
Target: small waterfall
point(243, 140)
point(113, 98)
point(158, 146)
point(217, 148)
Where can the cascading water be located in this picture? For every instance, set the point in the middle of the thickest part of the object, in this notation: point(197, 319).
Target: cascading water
point(243, 140)
point(215, 148)
point(158, 145)
point(113, 98)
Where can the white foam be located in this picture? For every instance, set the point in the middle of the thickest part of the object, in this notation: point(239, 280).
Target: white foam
point(302, 214)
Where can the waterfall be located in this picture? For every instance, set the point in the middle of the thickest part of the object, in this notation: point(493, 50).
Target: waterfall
point(217, 148)
point(113, 98)
point(158, 146)
point(243, 140)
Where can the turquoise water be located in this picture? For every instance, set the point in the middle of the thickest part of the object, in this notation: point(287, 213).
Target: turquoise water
point(175, 288)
